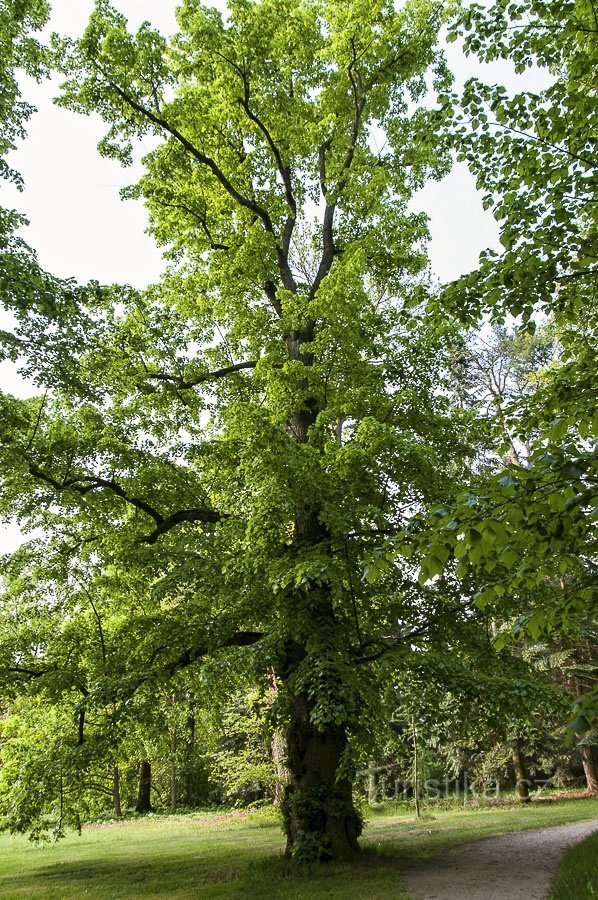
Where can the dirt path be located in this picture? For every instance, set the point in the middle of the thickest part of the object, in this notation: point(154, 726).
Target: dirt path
point(517, 866)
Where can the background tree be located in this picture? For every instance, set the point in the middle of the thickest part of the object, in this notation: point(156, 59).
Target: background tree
point(529, 530)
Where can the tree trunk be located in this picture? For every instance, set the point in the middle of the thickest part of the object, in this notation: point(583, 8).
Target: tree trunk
point(173, 773)
point(372, 783)
point(118, 813)
point(589, 768)
point(143, 804)
point(320, 819)
point(521, 775)
point(190, 780)
point(319, 816)
point(415, 770)
point(278, 752)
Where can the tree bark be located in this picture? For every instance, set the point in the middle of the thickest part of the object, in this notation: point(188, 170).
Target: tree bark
point(372, 783)
point(521, 775)
point(190, 787)
point(319, 816)
point(143, 804)
point(278, 752)
point(173, 773)
point(118, 813)
point(415, 770)
point(320, 819)
point(589, 768)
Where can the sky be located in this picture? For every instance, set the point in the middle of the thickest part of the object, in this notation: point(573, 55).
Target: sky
point(81, 228)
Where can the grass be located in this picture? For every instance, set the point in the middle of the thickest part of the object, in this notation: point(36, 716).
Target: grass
point(235, 856)
point(577, 877)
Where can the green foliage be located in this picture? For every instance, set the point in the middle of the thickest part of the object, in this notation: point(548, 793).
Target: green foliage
point(527, 532)
point(212, 460)
point(19, 50)
point(533, 153)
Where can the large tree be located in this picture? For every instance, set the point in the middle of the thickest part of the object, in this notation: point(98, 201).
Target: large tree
point(234, 437)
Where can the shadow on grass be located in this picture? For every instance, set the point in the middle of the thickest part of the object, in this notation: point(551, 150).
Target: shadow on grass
point(270, 876)
point(119, 878)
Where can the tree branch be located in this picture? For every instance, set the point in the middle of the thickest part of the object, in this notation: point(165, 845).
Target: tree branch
point(83, 484)
point(188, 657)
point(202, 158)
point(184, 384)
point(163, 524)
point(328, 247)
point(284, 172)
point(207, 516)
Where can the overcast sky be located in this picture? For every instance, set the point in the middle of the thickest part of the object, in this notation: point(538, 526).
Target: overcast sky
point(80, 227)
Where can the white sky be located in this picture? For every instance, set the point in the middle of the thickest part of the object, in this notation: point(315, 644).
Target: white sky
point(80, 227)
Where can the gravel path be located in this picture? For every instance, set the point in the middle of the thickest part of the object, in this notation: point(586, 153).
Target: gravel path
point(517, 866)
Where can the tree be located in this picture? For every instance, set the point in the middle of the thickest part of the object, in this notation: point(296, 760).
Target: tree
point(529, 530)
point(233, 438)
point(19, 50)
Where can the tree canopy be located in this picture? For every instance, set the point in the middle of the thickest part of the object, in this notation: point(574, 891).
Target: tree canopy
point(215, 461)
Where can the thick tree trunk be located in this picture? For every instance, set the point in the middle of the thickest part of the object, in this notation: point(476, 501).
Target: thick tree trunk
point(589, 768)
point(521, 775)
point(320, 819)
point(116, 793)
point(143, 804)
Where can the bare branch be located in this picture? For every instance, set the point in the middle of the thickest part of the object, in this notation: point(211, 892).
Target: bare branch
point(207, 516)
point(83, 484)
point(183, 384)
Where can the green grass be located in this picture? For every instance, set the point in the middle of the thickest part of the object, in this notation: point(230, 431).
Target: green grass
point(577, 877)
point(203, 856)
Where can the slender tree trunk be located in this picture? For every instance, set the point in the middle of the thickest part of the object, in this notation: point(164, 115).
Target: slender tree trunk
point(415, 770)
point(143, 804)
point(589, 768)
point(190, 793)
point(278, 751)
point(118, 813)
point(520, 774)
point(372, 783)
point(173, 773)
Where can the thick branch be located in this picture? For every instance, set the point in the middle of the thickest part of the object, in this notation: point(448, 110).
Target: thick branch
point(283, 170)
point(285, 173)
point(188, 657)
point(208, 516)
point(163, 524)
point(328, 248)
point(30, 673)
point(202, 158)
point(183, 383)
point(83, 484)
point(270, 292)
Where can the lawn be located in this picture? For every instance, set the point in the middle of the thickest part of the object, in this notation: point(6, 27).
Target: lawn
point(577, 878)
point(237, 856)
